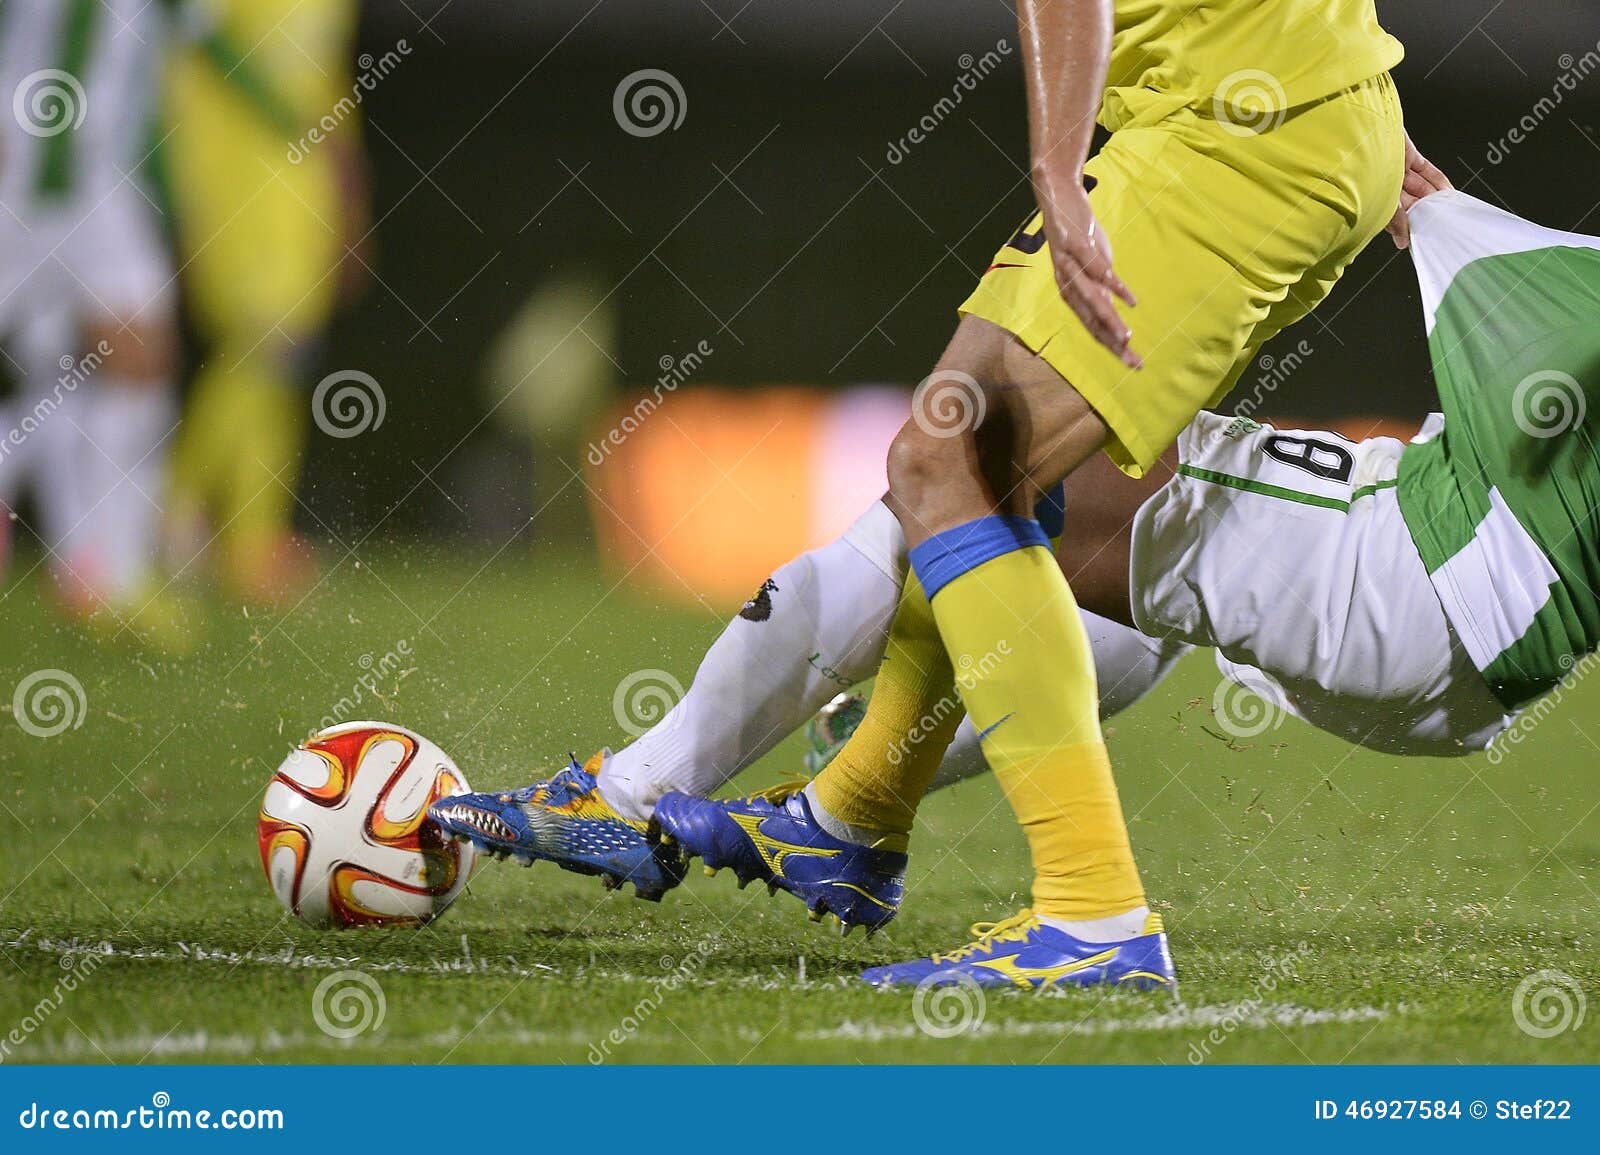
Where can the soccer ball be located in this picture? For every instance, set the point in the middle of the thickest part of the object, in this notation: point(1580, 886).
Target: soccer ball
point(344, 832)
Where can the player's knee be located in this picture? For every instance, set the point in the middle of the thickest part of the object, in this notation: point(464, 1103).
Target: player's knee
point(923, 468)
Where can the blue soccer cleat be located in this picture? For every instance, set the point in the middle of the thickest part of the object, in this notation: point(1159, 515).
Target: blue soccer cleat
point(563, 820)
point(1023, 952)
point(773, 836)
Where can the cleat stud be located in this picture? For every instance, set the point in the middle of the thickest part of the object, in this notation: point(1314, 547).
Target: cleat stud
point(611, 881)
point(710, 871)
point(844, 929)
point(649, 895)
point(744, 882)
point(772, 889)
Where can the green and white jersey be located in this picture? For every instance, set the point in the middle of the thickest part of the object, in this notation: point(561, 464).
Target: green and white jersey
point(1503, 503)
point(79, 79)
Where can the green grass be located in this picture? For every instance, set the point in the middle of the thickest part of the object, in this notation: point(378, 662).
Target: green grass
point(1410, 897)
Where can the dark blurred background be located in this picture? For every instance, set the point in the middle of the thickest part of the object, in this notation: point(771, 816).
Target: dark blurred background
point(772, 225)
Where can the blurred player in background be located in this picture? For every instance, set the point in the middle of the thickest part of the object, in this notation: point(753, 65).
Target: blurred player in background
point(265, 218)
point(86, 310)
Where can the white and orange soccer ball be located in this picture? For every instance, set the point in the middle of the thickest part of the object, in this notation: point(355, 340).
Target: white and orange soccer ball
point(344, 831)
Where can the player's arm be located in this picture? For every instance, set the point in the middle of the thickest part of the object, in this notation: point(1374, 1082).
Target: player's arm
point(1066, 45)
point(1423, 178)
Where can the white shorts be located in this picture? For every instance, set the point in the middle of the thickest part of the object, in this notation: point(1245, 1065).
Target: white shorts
point(1286, 551)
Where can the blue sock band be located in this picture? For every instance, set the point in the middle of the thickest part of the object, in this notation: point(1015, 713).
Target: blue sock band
point(1051, 510)
point(946, 556)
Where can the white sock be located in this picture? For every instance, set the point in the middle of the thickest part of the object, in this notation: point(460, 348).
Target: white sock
point(1114, 929)
point(1128, 665)
point(819, 625)
point(127, 424)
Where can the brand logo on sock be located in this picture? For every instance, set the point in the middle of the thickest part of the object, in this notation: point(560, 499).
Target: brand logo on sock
point(759, 608)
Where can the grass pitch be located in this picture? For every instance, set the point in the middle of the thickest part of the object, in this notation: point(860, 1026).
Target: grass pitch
point(1325, 904)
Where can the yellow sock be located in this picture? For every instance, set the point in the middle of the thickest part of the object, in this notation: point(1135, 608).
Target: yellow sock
point(881, 774)
point(1025, 671)
point(244, 428)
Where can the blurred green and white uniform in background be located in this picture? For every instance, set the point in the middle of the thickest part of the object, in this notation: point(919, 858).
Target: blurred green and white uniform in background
point(83, 260)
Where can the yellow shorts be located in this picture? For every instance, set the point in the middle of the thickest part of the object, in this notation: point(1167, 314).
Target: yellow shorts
point(1226, 235)
point(259, 233)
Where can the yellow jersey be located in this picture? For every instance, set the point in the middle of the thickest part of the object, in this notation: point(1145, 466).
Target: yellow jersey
point(298, 50)
point(1264, 55)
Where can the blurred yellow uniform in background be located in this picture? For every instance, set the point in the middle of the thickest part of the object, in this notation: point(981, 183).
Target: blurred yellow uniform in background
point(263, 218)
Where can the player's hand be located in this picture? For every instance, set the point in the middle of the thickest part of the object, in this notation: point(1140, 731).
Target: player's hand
point(1081, 256)
point(1423, 179)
